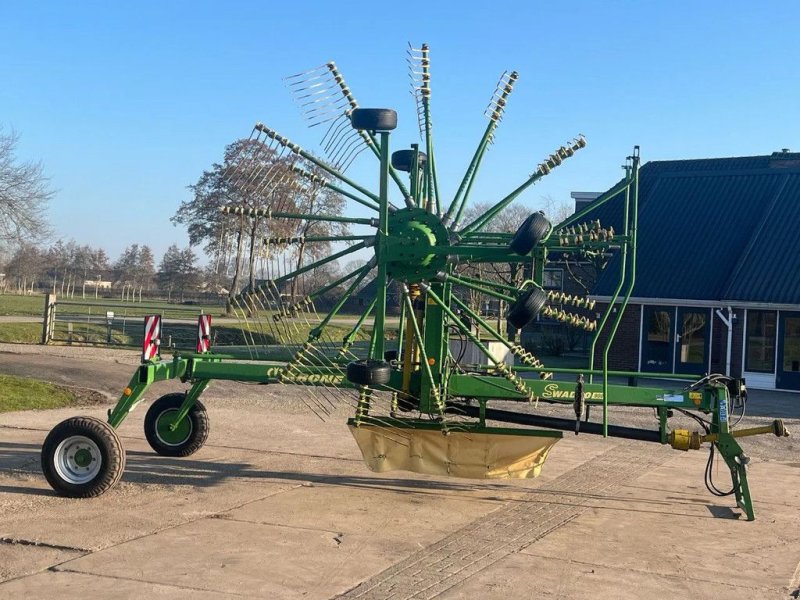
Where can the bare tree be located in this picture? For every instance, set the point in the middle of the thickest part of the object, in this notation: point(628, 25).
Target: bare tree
point(254, 176)
point(25, 268)
point(556, 211)
point(24, 194)
point(507, 221)
point(178, 271)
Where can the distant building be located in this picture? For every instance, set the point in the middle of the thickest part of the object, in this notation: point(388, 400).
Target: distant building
point(583, 199)
point(717, 286)
point(99, 284)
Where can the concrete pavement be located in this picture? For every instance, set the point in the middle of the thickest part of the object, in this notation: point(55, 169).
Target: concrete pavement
point(279, 505)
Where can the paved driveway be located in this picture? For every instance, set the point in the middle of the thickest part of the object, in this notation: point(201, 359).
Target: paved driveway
point(279, 505)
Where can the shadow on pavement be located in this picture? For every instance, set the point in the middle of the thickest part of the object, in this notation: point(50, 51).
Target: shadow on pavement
point(147, 468)
point(150, 469)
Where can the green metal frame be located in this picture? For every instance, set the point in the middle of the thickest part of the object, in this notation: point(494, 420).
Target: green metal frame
point(428, 279)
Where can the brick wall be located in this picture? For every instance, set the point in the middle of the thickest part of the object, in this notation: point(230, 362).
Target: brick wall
point(737, 343)
point(624, 352)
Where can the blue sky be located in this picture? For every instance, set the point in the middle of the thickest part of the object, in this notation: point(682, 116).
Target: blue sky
point(127, 103)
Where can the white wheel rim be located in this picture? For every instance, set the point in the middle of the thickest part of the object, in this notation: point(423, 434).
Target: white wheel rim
point(78, 459)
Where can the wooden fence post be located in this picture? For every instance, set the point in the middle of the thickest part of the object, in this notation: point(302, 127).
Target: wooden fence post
point(47, 320)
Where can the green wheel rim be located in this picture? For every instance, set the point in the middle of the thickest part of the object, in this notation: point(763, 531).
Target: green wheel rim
point(174, 437)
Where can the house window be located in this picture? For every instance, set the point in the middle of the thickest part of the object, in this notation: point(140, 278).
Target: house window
point(791, 344)
point(760, 341)
point(552, 279)
point(659, 327)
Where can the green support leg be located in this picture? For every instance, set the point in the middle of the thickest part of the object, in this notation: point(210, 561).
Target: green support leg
point(142, 379)
point(662, 424)
point(731, 451)
point(126, 403)
point(191, 397)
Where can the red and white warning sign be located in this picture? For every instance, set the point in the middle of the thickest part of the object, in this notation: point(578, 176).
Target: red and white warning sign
point(204, 333)
point(151, 344)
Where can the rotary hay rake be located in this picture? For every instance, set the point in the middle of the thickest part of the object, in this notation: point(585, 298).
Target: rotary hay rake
point(417, 405)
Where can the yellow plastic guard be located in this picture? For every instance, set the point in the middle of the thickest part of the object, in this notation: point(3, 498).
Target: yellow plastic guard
point(459, 454)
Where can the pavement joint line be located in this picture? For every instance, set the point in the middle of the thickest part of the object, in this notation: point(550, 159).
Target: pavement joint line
point(283, 525)
point(19, 428)
point(23, 542)
point(679, 576)
point(181, 524)
point(57, 569)
point(509, 529)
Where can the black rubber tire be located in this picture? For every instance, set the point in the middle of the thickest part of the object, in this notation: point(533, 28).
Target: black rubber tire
point(527, 306)
point(197, 420)
point(105, 441)
point(374, 119)
point(369, 372)
point(530, 233)
point(402, 160)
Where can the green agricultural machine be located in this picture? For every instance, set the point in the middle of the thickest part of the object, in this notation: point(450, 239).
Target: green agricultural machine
point(418, 403)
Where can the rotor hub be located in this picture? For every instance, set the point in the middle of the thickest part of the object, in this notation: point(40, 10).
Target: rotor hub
point(411, 248)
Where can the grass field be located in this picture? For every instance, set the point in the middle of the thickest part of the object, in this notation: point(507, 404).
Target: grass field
point(33, 306)
point(20, 333)
point(21, 306)
point(17, 393)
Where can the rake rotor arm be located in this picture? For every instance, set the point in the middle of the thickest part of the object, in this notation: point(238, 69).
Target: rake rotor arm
point(327, 288)
point(495, 112)
point(348, 339)
point(480, 254)
point(319, 263)
point(493, 284)
point(431, 183)
point(317, 238)
point(271, 133)
point(270, 214)
point(419, 64)
point(458, 203)
point(364, 271)
point(367, 137)
point(478, 288)
point(548, 165)
point(606, 197)
point(514, 348)
point(334, 188)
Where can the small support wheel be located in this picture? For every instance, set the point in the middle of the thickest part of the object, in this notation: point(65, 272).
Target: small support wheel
point(185, 439)
point(373, 119)
point(527, 306)
point(369, 372)
point(403, 160)
point(530, 233)
point(82, 457)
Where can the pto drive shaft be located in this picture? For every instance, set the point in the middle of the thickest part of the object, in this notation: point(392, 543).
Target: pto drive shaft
point(683, 439)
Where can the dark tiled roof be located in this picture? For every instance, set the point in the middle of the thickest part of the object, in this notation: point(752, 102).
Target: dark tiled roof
point(720, 229)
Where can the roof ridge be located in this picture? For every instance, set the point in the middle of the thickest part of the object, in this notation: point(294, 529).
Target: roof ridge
point(714, 158)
